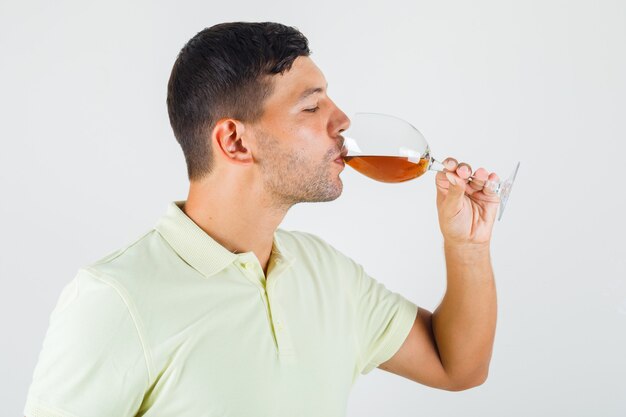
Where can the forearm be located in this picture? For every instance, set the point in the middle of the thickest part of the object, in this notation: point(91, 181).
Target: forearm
point(464, 323)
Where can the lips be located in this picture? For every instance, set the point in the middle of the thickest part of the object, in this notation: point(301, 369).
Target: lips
point(340, 161)
point(340, 157)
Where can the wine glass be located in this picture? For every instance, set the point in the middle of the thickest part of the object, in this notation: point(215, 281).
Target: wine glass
point(389, 149)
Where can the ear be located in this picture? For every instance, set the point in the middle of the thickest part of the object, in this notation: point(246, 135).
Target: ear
point(228, 141)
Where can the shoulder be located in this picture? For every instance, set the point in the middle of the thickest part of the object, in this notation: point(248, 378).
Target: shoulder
point(307, 245)
point(132, 263)
point(111, 256)
point(298, 240)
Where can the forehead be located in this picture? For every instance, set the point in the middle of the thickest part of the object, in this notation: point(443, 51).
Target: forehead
point(289, 86)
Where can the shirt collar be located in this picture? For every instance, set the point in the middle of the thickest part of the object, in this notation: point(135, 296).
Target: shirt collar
point(199, 249)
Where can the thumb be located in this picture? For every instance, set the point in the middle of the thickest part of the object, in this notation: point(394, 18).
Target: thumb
point(454, 198)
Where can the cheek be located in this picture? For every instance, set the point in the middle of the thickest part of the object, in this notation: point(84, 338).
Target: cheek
point(308, 144)
point(296, 158)
point(308, 128)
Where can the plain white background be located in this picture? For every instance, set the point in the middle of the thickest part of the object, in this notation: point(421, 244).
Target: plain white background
point(88, 163)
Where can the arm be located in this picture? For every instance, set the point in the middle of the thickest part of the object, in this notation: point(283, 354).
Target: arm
point(465, 321)
point(451, 348)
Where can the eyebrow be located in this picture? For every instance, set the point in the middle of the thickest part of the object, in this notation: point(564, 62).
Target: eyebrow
point(310, 91)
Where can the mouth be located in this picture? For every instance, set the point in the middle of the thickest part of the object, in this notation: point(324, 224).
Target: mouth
point(342, 154)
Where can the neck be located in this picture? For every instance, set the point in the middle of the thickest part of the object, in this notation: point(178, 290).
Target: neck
point(236, 214)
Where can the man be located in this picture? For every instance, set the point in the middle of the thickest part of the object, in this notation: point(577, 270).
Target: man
point(217, 311)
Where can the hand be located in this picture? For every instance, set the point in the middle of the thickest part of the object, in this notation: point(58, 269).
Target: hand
point(467, 211)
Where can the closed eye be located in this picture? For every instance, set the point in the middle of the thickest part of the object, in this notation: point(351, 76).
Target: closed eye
point(312, 110)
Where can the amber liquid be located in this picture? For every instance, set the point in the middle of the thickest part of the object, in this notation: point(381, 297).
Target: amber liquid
point(388, 168)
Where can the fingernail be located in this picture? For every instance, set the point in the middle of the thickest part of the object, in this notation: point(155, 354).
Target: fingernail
point(449, 164)
point(451, 178)
point(463, 169)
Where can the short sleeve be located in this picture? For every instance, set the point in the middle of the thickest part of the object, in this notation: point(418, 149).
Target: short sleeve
point(92, 363)
point(383, 320)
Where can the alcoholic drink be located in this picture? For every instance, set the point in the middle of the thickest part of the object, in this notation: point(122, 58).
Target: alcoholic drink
point(388, 168)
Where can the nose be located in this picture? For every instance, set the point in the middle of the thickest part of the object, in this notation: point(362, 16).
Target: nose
point(340, 122)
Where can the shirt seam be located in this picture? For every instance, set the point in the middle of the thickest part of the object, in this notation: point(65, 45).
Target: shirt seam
point(34, 405)
point(117, 253)
point(403, 315)
point(134, 317)
point(359, 350)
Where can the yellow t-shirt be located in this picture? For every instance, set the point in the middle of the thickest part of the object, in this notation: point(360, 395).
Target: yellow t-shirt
point(175, 325)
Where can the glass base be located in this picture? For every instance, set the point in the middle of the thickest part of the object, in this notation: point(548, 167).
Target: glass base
point(505, 190)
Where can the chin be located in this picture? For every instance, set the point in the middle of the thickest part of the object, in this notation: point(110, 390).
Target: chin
point(337, 192)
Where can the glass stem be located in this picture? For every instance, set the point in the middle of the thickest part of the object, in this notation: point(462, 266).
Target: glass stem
point(435, 165)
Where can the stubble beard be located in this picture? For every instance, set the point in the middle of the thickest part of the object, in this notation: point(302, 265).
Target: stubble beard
point(291, 178)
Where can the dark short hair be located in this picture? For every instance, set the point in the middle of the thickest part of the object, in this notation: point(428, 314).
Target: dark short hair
point(225, 71)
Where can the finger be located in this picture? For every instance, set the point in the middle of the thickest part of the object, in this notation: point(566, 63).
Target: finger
point(478, 180)
point(464, 170)
point(456, 191)
point(449, 164)
point(493, 179)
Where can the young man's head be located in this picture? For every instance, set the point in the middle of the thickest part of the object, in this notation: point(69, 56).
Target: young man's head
point(245, 99)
